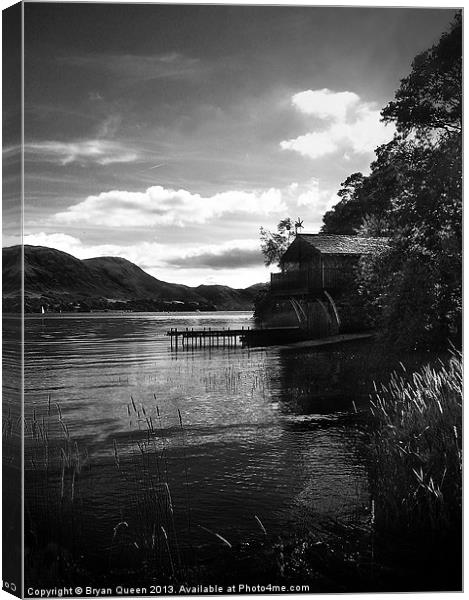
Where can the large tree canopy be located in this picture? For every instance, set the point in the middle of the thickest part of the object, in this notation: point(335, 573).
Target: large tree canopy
point(415, 287)
point(431, 96)
point(346, 216)
point(366, 200)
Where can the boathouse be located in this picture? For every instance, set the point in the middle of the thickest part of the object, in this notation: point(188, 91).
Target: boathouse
point(317, 279)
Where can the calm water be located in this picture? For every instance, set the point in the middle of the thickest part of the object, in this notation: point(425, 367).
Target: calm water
point(266, 432)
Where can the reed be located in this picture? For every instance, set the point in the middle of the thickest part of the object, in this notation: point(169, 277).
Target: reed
point(10, 450)
point(143, 542)
point(54, 523)
point(150, 531)
point(416, 467)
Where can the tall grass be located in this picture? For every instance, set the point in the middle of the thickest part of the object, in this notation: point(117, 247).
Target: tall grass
point(54, 469)
point(150, 524)
point(59, 530)
point(416, 450)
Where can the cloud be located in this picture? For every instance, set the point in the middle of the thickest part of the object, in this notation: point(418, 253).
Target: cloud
point(101, 152)
point(162, 206)
point(59, 241)
point(74, 246)
point(141, 67)
point(325, 104)
point(349, 125)
point(236, 254)
point(310, 197)
point(157, 258)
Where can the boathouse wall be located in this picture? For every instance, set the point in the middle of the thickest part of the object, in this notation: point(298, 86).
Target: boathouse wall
point(317, 279)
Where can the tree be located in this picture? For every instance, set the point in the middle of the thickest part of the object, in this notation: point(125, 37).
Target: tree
point(370, 198)
point(273, 245)
point(346, 215)
point(374, 226)
point(414, 289)
point(431, 96)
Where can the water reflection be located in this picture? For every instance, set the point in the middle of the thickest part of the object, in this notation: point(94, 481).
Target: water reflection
point(323, 382)
point(265, 432)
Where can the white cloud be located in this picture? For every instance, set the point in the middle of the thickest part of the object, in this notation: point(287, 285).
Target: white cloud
point(161, 206)
point(350, 126)
point(137, 253)
point(312, 145)
point(368, 131)
point(59, 241)
point(324, 103)
point(102, 152)
point(310, 197)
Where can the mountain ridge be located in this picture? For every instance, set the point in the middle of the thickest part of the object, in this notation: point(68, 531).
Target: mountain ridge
point(61, 281)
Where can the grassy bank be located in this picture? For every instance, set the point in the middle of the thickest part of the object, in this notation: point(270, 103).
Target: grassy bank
point(416, 471)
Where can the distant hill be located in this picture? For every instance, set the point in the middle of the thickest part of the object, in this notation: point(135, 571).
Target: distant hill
point(61, 281)
point(222, 295)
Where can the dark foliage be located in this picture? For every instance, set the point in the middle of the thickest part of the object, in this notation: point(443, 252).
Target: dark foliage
point(431, 96)
point(414, 195)
point(414, 289)
point(347, 215)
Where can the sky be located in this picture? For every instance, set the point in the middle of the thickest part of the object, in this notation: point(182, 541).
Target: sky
point(168, 135)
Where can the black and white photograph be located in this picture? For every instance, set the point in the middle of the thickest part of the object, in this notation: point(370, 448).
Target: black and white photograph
point(232, 299)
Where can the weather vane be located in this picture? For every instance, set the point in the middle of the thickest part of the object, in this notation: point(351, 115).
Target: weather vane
point(298, 225)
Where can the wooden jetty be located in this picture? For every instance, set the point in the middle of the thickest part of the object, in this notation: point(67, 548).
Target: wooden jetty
point(206, 337)
point(188, 339)
point(288, 337)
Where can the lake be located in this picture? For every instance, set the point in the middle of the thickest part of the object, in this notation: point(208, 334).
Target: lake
point(241, 440)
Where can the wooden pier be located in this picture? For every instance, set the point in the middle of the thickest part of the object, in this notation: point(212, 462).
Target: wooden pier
point(205, 338)
point(287, 337)
point(188, 339)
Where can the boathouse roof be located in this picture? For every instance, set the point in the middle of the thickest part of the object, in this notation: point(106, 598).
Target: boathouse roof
point(344, 244)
